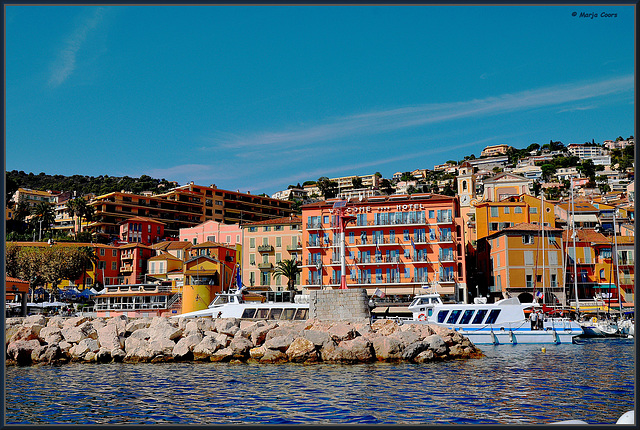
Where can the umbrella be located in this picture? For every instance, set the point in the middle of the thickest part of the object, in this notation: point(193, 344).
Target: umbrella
point(53, 304)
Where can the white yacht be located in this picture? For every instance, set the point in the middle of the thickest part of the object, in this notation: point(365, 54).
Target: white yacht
point(492, 323)
point(273, 305)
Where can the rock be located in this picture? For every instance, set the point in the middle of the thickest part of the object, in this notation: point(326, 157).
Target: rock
point(21, 350)
point(140, 351)
point(90, 356)
point(342, 331)
point(10, 332)
point(75, 321)
point(166, 331)
point(302, 350)
point(35, 320)
point(108, 337)
point(162, 346)
point(184, 348)
point(387, 348)
point(257, 353)
point(280, 343)
point(228, 326)
point(436, 344)
point(411, 351)
point(143, 333)
point(192, 327)
point(406, 337)
point(48, 331)
point(37, 352)
point(56, 321)
point(317, 337)
point(224, 354)
point(9, 322)
point(240, 347)
point(137, 324)
point(425, 356)
point(206, 348)
point(103, 355)
point(118, 355)
point(74, 334)
point(357, 350)
point(26, 333)
point(259, 335)
point(120, 322)
point(273, 356)
point(65, 346)
point(51, 354)
point(85, 346)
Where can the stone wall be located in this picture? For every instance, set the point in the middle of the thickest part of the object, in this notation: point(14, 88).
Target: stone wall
point(339, 305)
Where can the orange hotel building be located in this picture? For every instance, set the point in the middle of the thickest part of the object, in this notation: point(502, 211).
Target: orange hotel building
point(397, 244)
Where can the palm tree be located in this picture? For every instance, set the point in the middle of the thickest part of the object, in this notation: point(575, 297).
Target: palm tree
point(43, 214)
point(79, 207)
point(288, 268)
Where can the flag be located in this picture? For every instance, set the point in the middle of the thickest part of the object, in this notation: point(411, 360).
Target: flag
point(413, 245)
point(379, 293)
point(539, 295)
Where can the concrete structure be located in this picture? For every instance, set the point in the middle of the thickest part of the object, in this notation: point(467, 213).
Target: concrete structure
point(141, 230)
point(357, 193)
point(492, 217)
point(619, 144)
point(585, 150)
point(397, 243)
point(529, 172)
point(290, 193)
point(493, 150)
point(512, 261)
point(346, 182)
point(266, 243)
point(489, 163)
point(350, 305)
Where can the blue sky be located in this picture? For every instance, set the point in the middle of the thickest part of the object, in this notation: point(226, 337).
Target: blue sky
point(259, 97)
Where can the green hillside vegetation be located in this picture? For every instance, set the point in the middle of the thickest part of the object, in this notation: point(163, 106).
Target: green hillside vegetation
point(84, 184)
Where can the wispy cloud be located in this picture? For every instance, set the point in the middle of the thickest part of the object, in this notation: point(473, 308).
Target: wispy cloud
point(415, 116)
point(65, 63)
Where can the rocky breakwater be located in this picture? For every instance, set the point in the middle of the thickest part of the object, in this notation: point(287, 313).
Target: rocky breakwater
point(57, 340)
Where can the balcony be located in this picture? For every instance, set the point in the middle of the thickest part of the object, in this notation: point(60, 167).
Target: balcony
point(265, 266)
point(389, 223)
point(314, 226)
point(294, 247)
point(265, 248)
point(313, 282)
point(315, 243)
point(447, 279)
point(127, 268)
point(444, 238)
point(446, 258)
point(444, 219)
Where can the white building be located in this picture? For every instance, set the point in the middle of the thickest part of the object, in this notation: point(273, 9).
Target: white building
point(297, 193)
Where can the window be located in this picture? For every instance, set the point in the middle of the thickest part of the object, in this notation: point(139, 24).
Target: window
point(431, 214)
point(114, 253)
point(325, 219)
point(148, 228)
point(493, 316)
point(278, 228)
point(228, 239)
point(102, 251)
point(211, 238)
point(102, 264)
point(453, 318)
point(252, 259)
point(278, 242)
point(278, 257)
point(506, 209)
point(253, 229)
point(442, 315)
point(533, 210)
point(252, 242)
point(466, 317)
point(529, 281)
point(352, 238)
point(494, 211)
point(195, 240)
point(266, 228)
point(479, 316)
point(554, 280)
point(493, 226)
point(158, 232)
point(517, 210)
point(406, 235)
point(114, 265)
point(528, 258)
point(527, 239)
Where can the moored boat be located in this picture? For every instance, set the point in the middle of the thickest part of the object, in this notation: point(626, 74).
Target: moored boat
point(494, 323)
point(272, 305)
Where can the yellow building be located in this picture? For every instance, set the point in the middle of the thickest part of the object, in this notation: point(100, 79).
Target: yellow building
point(515, 265)
point(492, 217)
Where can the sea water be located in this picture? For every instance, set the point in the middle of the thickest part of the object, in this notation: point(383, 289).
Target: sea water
point(592, 380)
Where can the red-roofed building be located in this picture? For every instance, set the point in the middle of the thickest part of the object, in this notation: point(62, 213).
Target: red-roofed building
point(17, 291)
point(141, 230)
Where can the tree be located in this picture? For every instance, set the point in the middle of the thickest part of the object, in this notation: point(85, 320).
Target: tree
point(356, 182)
point(78, 207)
point(296, 205)
point(411, 189)
point(406, 176)
point(536, 188)
point(289, 269)
point(378, 175)
point(328, 188)
point(548, 170)
point(43, 216)
point(588, 169)
point(385, 187)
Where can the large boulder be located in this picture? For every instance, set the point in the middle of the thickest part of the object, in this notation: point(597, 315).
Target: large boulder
point(137, 324)
point(40, 320)
point(137, 351)
point(387, 348)
point(407, 337)
point(302, 350)
point(228, 326)
point(240, 347)
point(411, 351)
point(206, 348)
point(273, 356)
point(75, 321)
point(342, 331)
point(108, 337)
point(120, 322)
point(75, 334)
point(184, 348)
point(281, 343)
point(436, 344)
point(56, 321)
point(83, 347)
point(259, 335)
point(224, 354)
point(317, 337)
point(26, 333)
point(162, 346)
point(21, 350)
point(164, 331)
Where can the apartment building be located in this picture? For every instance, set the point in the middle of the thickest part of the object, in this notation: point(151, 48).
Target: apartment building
point(492, 217)
point(620, 144)
point(515, 265)
point(184, 207)
point(133, 263)
point(397, 243)
point(266, 243)
point(585, 150)
point(290, 193)
point(212, 231)
point(141, 230)
point(493, 150)
point(346, 182)
point(31, 197)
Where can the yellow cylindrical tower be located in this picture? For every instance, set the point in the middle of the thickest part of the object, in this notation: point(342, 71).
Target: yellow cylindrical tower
point(196, 297)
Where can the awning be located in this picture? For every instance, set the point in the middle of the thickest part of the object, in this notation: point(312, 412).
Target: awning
point(586, 218)
point(605, 286)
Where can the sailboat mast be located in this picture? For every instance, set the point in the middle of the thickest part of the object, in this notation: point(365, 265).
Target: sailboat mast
point(616, 278)
point(542, 224)
point(575, 264)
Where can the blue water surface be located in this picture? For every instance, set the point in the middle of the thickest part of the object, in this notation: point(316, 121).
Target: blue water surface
point(592, 381)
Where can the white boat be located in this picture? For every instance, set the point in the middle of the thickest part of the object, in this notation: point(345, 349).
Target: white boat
point(503, 322)
point(273, 305)
point(627, 328)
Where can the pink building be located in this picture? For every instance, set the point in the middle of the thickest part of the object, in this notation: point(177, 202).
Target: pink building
point(212, 231)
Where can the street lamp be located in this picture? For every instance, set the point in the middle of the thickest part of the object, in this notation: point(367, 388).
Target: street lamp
point(40, 232)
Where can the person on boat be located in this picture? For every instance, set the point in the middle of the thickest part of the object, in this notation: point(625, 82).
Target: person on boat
point(533, 317)
point(539, 320)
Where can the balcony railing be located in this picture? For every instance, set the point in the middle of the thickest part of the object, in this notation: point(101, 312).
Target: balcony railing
point(313, 282)
point(315, 243)
point(444, 219)
point(447, 279)
point(314, 225)
point(265, 248)
point(446, 258)
point(445, 238)
point(374, 223)
point(294, 247)
point(265, 265)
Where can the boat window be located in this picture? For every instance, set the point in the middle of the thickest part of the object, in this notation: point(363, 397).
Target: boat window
point(466, 316)
point(248, 313)
point(454, 316)
point(275, 313)
point(493, 316)
point(288, 314)
point(442, 315)
point(221, 300)
point(479, 316)
point(429, 312)
point(262, 314)
point(301, 314)
point(415, 302)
